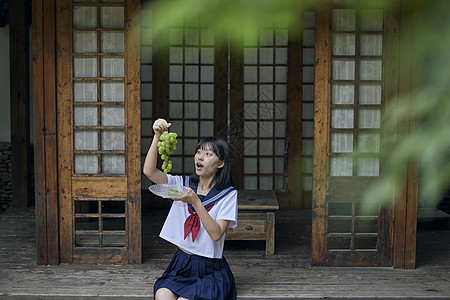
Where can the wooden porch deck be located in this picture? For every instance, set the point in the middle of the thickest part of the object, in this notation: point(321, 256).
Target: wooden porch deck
point(285, 275)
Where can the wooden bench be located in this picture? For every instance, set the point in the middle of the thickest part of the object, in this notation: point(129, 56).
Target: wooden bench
point(256, 218)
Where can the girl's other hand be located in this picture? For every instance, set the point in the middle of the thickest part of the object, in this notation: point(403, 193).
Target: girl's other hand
point(189, 198)
point(160, 126)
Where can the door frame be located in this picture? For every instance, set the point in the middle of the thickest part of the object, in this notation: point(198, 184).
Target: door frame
point(399, 221)
point(50, 91)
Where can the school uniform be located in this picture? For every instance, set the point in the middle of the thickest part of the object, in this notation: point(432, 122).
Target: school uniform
point(205, 274)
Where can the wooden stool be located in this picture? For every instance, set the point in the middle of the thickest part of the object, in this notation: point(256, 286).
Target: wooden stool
point(256, 218)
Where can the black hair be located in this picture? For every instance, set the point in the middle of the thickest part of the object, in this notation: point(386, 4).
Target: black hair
point(221, 148)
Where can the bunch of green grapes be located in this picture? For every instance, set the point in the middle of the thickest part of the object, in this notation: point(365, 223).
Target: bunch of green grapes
point(166, 146)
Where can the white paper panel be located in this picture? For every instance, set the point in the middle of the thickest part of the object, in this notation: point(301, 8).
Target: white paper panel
point(207, 37)
point(371, 20)
point(85, 67)
point(206, 110)
point(265, 147)
point(112, 17)
point(343, 19)
point(191, 92)
point(343, 70)
point(113, 91)
point(250, 165)
point(370, 69)
point(84, 41)
point(369, 142)
point(191, 129)
point(341, 166)
point(112, 67)
point(266, 183)
point(85, 116)
point(341, 142)
point(207, 74)
point(250, 147)
point(113, 140)
point(265, 56)
point(368, 166)
point(206, 128)
point(113, 163)
point(342, 94)
point(86, 163)
point(369, 94)
point(85, 140)
point(85, 91)
point(342, 118)
point(370, 44)
point(191, 55)
point(207, 92)
point(369, 118)
point(113, 116)
point(343, 44)
point(84, 17)
point(250, 182)
point(191, 110)
point(265, 165)
point(112, 41)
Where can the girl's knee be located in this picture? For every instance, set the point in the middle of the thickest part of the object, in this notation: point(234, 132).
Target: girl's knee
point(165, 294)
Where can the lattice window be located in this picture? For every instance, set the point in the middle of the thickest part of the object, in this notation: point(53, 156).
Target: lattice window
point(191, 89)
point(308, 100)
point(351, 226)
point(357, 37)
point(98, 87)
point(265, 108)
point(99, 117)
point(146, 85)
point(355, 126)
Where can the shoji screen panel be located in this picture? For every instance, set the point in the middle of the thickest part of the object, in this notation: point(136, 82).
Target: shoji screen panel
point(308, 103)
point(147, 117)
point(355, 125)
point(191, 89)
point(265, 108)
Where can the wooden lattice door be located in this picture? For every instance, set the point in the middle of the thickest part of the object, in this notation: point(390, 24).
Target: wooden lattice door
point(349, 100)
point(98, 131)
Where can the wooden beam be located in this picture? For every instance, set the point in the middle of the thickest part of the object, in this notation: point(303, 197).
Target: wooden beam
point(20, 104)
point(39, 136)
point(133, 121)
point(321, 126)
point(65, 133)
point(50, 131)
point(390, 96)
point(406, 207)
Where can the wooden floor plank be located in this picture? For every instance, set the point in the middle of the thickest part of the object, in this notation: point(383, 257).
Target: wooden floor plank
point(285, 275)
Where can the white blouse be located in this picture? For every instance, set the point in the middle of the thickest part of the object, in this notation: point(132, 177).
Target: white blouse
point(173, 228)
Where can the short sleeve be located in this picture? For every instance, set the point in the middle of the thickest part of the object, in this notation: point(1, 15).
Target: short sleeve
point(228, 210)
point(178, 180)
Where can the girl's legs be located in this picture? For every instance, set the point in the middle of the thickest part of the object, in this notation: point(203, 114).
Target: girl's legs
point(165, 294)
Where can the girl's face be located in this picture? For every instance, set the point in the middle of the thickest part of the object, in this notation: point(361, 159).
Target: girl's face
point(207, 162)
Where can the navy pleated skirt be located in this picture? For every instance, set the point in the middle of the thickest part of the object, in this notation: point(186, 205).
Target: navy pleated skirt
point(196, 277)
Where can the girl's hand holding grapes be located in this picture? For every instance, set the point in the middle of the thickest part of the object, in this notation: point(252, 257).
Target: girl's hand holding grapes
point(160, 126)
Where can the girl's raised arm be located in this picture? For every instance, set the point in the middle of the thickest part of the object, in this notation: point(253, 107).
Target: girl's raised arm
point(150, 170)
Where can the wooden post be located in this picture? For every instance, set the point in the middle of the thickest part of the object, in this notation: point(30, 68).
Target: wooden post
point(406, 206)
point(44, 103)
point(20, 104)
point(321, 127)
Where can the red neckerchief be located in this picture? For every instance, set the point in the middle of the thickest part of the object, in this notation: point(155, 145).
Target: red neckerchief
point(192, 223)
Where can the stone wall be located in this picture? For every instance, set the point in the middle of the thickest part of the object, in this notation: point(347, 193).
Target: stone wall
point(5, 176)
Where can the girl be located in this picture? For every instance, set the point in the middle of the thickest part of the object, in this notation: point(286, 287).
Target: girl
point(197, 222)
